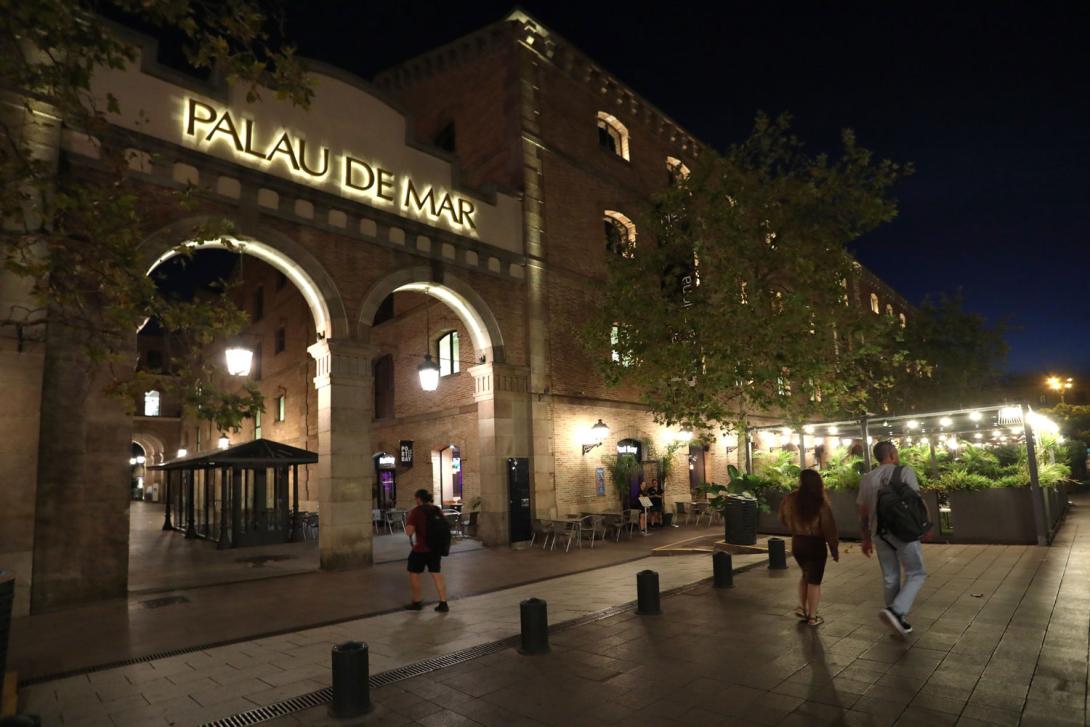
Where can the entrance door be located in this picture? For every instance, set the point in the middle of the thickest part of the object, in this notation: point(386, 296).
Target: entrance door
point(518, 498)
point(632, 448)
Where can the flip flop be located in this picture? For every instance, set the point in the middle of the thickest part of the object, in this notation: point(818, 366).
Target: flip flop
point(815, 621)
point(800, 613)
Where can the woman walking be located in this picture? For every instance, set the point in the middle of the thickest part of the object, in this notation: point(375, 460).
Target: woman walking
point(806, 513)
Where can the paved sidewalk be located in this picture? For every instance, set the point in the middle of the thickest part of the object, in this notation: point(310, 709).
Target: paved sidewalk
point(1000, 639)
point(214, 683)
point(138, 626)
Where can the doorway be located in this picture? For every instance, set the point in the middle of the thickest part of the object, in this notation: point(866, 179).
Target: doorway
point(634, 448)
point(450, 476)
point(697, 471)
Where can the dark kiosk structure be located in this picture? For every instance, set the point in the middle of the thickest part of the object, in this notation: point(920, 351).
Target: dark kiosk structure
point(238, 496)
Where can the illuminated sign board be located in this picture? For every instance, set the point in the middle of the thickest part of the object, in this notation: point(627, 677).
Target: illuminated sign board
point(363, 179)
point(386, 461)
point(627, 449)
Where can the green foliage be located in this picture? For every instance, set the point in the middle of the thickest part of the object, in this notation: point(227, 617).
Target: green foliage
point(777, 469)
point(978, 461)
point(843, 474)
point(1009, 454)
point(665, 459)
point(621, 468)
point(964, 351)
point(1050, 475)
point(75, 242)
point(763, 230)
point(959, 479)
point(741, 485)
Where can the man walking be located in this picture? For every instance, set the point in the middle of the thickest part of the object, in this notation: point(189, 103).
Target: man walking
point(893, 518)
point(421, 555)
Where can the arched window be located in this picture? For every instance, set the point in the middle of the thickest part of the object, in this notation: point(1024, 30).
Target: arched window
point(676, 171)
point(889, 310)
point(904, 321)
point(612, 134)
point(151, 403)
point(448, 354)
point(874, 303)
point(620, 233)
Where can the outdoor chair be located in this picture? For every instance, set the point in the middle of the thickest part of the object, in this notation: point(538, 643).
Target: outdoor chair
point(616, 524)
point(631, 520)
point(543, 529)
point(469, 524)
point(597, 526)
point(681, 509)
point(310, 527)
point(569, 529)
point(395, 518)
point(376, 519)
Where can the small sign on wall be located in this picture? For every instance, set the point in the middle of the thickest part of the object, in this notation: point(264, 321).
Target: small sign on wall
point(600, 481)
point(406, 453)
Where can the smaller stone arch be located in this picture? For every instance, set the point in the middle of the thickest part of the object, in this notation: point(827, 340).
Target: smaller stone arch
point(458, 295)
point(289, 257)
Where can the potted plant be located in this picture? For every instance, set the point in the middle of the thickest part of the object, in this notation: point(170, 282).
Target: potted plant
point(622, 468)
point(739, 502)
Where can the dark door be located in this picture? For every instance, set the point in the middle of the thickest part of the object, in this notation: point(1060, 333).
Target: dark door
point(518, 498)
point(696, 467)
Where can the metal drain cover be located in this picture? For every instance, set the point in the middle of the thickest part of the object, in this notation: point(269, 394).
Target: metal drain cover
point(165, 601)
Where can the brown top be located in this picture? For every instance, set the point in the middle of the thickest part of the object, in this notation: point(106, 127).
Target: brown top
point(823, 526)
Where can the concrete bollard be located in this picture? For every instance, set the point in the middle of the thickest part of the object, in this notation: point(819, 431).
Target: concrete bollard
point(722, 570)
point(777, 554)
point(647, 593)
point(534, 613)
point(351, 672)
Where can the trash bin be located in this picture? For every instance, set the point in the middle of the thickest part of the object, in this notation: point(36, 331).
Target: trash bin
point(740, 520)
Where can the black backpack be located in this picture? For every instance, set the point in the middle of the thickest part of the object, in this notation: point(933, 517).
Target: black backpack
point(437, 532)
point(901, 510)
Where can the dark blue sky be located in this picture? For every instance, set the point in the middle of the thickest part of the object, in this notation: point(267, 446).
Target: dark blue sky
point(990, 101)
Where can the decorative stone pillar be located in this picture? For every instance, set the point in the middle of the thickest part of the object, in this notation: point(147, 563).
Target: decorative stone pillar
point(503, 425)
point(345, 474)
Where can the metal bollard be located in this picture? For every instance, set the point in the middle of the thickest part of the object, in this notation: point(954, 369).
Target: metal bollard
point(534, 613)
point(722, 570)
point(647, 593)
point(351, 688)
point(777, 554)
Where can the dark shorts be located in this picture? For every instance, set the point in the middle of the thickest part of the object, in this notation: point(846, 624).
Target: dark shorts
point(656, 504)
point(810, 553)
point(418, 561)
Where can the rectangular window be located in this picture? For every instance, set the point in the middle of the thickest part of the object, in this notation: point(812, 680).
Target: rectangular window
point(448, 354)
point(151, 403)
point(281, 340)
point(257, 425)
point(281, 407)
point(258, 304)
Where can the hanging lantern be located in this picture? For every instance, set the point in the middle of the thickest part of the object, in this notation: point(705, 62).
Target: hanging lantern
point(429, 374)
point(224, 442)
point(239, 360)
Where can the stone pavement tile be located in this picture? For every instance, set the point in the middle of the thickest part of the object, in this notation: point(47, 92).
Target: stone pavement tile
point(1043, 713)
point(1002, 696)
point(919, 717)
point(267, 696)
point(447, 718)
point(771, 708)
point(938, 703)
point(992, 715)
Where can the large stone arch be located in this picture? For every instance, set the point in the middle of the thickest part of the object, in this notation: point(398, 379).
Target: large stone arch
point(289, 257)
point(467, 304)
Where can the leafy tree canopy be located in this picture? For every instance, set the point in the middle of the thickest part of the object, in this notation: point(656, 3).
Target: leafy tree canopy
point(738, 295)
point(75, 241)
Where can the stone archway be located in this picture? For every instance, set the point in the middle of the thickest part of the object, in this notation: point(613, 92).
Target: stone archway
point(342, 381)
point(501, 390)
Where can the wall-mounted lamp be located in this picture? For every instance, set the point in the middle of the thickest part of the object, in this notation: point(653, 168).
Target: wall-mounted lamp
point(182, 453)
point(597, 433)
point(684, 436)
point(224, 442)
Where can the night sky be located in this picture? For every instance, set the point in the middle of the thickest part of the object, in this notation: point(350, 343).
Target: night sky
point(991, 102)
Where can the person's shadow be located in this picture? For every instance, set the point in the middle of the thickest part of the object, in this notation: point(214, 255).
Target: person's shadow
point(821, 688)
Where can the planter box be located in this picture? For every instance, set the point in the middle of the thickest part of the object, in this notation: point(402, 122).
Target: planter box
point(769, 522)
point(999, 515)
point(845, 512)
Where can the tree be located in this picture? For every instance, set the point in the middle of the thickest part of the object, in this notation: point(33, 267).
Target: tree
point(75, 241)
point(739, 296)
point(964, 352)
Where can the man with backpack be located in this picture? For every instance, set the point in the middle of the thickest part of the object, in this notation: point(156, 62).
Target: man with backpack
point(893, 519)
point(429, 533)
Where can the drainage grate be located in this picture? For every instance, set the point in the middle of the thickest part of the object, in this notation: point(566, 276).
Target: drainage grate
point(166, 601)
point(325, 696)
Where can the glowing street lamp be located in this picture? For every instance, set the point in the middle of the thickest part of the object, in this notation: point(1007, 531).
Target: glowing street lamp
point(1060, 385)
point(224, 442)
point(428, 369)
point(596, 436)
